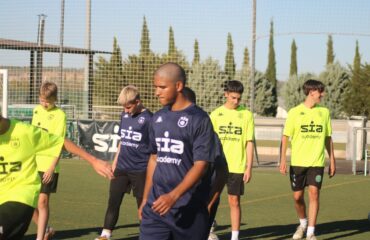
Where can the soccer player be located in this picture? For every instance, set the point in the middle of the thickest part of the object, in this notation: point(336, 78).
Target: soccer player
point(130, 162)
point(19, 179)
point(308, 126)
point(234, 125)
point(52, 119)
point(219, 174)
point(178, 178)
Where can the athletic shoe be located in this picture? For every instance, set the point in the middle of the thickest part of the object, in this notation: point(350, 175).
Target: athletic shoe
point(299, 233)
point(50, 232)
point(102, 238)
point(311, 237)
point(212, 236)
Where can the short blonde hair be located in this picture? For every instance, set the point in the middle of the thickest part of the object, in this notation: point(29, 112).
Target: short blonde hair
point(49, 90)
point(128, 94)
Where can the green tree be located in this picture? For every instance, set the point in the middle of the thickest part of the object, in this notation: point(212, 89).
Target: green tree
point(229, 59)
point(356, 63)
point(293, 92)
point(206, 79)
point(243, 76)
point(246, 57)
point(330, 51)
point(271, 67)
point(172, 51)
point(293, 60)
point(196, 58)
point(145, 40)
point(265, 103)
point(108, 78)
point(336, 79)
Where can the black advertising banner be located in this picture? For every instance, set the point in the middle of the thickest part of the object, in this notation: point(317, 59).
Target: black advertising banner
point(101, 139)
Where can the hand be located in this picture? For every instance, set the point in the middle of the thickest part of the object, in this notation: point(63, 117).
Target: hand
point(140, 210)
point(48, 176)
point(163, 204)
point(332, 170)
point(283, 168)
point(103, 168)
point(247, 175)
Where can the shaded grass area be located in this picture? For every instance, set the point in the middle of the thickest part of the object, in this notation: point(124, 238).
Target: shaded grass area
point(78, 208)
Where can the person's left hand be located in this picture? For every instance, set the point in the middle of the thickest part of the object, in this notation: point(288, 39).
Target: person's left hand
point(103, 168)
point(247, 175)
point(163, 204)
point(48, 176)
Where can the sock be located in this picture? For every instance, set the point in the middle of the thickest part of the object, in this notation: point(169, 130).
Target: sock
point(234, 235)
point(107, 233)
point(310, 230)
point(303, 222)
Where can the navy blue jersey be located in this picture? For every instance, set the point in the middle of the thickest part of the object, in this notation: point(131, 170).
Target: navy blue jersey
point(179, 138)
point(219, 156)
point(134, 132)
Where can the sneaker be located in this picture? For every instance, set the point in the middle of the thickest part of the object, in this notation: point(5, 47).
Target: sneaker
point(50, 232)
point(299, 233)
point(212, 236)
point(102, 238)
point(311, 237)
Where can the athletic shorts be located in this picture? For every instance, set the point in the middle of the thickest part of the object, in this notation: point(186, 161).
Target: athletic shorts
point(300, 177)
point(50, 187)
point(188, 222)
point(124, 181)
point(235, 184)
point(15, 218)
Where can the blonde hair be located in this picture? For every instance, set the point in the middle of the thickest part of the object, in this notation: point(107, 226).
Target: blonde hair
point(128, 94)
point(49, 90)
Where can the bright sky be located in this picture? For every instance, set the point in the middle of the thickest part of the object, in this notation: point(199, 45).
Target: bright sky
point(209, 21)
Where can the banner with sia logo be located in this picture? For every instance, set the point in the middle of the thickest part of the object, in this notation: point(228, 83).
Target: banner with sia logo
point(101, 139)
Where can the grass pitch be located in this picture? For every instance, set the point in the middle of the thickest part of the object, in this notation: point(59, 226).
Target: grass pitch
point(78, 207)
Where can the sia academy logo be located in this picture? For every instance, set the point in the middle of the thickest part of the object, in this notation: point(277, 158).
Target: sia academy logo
point(167, 144)
point(311, 128)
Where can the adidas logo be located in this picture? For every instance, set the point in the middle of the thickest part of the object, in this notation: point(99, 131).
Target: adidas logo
point(159, 119)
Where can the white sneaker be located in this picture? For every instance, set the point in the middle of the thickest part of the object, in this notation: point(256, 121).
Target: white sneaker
point(212, 236)
point(311, 237)
point(299, 233)
point(214, 226)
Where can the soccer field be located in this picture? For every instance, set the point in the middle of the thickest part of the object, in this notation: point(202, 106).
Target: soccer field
point(78, 208)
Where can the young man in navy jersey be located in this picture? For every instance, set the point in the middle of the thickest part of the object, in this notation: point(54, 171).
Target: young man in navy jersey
point(131, 159)
point(178, 177)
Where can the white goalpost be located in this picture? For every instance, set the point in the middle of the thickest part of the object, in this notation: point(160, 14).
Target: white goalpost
point(4, 74)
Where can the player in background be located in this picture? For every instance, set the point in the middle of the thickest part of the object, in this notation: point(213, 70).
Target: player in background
point(308, 125)
point(20, 183)
point(178, 175)
point(234, 125)
point(219, 174)
point(131, 160)
point(51, 118)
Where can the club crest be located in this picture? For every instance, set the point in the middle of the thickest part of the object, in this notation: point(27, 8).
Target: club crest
point(183, 121)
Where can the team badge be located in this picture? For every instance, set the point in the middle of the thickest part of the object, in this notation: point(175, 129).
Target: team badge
point(302, 113)
point(51, 117)
point(14, 143)
point(318, 178)
point(220, 114)
point(183, 121)
point(141, 120)
point(159, 119)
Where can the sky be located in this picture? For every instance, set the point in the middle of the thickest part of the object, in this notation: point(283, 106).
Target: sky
point(209, 21)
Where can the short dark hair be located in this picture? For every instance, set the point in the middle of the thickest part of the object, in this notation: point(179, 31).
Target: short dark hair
point(233, 86)
point(313, 85)
point(174, 70)
point(189, 94)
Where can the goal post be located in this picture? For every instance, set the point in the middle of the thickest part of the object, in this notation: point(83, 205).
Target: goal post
point(4, 78)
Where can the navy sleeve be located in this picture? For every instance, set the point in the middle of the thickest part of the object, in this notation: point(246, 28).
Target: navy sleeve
point(152, 143)
point(203, 140)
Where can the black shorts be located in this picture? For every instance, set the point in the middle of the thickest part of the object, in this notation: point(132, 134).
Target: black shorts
point(235, 184)
point(50, 187)
point(15, 218)
point(124, 181)
point(300, 177)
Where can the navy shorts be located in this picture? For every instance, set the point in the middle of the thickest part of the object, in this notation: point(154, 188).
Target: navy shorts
point(15, 218)
point(235, 184)
point(50, 187)
point(300, 177)
point(188, 222)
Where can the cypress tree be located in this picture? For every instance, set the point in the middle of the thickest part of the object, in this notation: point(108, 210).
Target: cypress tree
point(229, 59)
point(293, 60)
point(271, 67)
point(145, 41)
point(246, 57)
point(330, 51)
point(196, 57)
point(171, 44)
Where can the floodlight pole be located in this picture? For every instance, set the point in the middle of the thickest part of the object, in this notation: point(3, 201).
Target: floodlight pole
point(4, 72)
point(253, 57)
point(87, 101)
point(61, 38)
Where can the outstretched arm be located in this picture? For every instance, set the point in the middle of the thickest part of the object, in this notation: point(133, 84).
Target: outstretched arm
point(101, 167)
